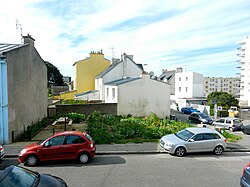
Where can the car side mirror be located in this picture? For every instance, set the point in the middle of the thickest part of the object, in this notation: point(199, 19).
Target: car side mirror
point(191, 140)
point(47, 144)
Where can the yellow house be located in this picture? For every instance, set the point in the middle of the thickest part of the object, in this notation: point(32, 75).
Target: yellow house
point(84, 73)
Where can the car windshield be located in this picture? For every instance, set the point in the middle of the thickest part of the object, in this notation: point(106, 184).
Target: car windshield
point(184, 134)
point(236, 121)
point(89, 137)
point(20, 177)
point(203, 115)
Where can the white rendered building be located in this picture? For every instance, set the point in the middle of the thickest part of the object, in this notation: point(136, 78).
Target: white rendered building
point(244, 60)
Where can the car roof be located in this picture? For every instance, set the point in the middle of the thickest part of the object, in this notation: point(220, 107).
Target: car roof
point(197, 130)
point(70, 132)
point(229, 118)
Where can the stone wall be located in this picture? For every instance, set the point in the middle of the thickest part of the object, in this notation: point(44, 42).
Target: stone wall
point(107, 108)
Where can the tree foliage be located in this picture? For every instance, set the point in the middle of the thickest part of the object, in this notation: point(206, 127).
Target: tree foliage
point(223, 99)
point(54, 76)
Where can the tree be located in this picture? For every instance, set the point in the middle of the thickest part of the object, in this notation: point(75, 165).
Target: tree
point(223, 99)
point(54, 76)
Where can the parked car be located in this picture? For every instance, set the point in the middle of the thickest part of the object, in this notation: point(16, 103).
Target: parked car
point(245, 129)
point(194, 139)
point(19, 176)
point(232, 124)
point(188, 110)
point(245, 178)
point(61, 146)
point(1, 153)
point(199, 117)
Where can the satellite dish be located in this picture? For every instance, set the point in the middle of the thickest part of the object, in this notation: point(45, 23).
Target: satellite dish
point(151, 73)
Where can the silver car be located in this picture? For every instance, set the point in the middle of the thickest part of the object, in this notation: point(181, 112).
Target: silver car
point(232, 124)
point(194, 139)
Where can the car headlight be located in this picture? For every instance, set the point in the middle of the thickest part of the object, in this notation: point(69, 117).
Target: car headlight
point(23, 151)
point(170, 145)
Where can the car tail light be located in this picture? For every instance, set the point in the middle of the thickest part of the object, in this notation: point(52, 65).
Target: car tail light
point(246, 166)
point(225, 140)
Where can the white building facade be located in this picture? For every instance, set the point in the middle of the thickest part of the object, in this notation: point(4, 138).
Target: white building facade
point(143, 96)
point(244, 60)
point(188, 85)
point(220, 84)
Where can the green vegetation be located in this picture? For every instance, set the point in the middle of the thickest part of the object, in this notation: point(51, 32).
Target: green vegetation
point(106, 128)
point(223, 99)
point(230, 137)
point(77, 118)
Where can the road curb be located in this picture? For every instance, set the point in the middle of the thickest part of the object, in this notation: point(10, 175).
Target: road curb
point(137, 152)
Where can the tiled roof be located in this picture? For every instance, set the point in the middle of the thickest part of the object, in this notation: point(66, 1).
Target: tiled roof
point(8, 47)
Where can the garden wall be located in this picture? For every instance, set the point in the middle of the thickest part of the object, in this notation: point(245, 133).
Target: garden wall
point(107, 108)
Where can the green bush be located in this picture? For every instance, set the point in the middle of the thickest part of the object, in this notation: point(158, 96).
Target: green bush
point(106, 128)
point(77, 118)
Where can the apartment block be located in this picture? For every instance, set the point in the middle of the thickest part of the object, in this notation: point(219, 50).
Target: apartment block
point(244, 60)
point(220, 84)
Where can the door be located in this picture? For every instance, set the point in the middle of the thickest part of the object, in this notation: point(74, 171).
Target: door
point(53, 149)
point(4, 126)
point(73, 145)
point(195, 144)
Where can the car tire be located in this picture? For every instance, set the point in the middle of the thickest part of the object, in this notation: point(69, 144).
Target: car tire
point(83, 158)
point(180, 151)
point(31, 160)
point(218, 150)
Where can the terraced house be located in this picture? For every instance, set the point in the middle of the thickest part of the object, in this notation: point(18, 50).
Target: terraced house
point(23, 88)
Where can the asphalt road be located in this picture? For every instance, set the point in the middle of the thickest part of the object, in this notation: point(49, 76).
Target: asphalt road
point(156, 170)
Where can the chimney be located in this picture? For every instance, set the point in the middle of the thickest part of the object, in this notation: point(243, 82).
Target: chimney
point(28, 40)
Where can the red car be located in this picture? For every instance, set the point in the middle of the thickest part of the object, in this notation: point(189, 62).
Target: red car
point(61, 146)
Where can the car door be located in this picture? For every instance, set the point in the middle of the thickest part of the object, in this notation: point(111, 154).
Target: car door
point(220, 123)
point(210, 141)
point(53, 148)
point(195, 144)
point(72, 145)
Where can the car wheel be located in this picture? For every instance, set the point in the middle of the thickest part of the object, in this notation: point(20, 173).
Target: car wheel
point(180, 151)
point(83, 158)
point(31, 160)
point(218, 150)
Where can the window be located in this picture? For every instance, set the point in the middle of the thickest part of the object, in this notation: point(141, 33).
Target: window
point(107, 92)
point(113, 93)
point(179, 89)
point(198, 137)
point(186, 89)
point(59, 140)
point(73, 139)
point(186, 78)
point(179, 78)
point(208, 136)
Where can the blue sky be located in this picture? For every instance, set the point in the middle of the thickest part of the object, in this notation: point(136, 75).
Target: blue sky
point(198, 35)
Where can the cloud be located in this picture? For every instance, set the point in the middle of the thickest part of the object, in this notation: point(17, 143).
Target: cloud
point(199, 35)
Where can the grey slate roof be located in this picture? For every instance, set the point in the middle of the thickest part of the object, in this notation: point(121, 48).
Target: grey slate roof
point(8, 47)
point(122, 81)
point(86, 93)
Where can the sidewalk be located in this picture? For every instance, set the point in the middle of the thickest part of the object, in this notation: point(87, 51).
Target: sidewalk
point(13, 150)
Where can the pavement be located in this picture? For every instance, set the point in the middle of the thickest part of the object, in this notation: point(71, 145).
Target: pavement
point(12, 150)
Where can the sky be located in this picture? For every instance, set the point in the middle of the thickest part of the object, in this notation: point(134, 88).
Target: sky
point(198, 35)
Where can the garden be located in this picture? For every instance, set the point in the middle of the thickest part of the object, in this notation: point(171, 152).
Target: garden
point(105, 128)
